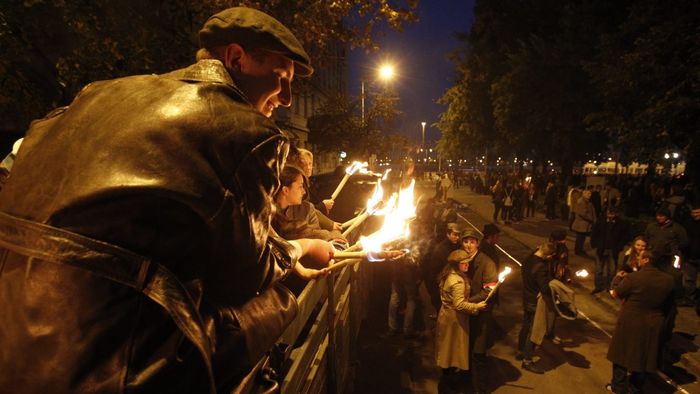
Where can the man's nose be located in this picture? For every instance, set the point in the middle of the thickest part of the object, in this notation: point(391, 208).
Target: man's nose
point(285, 95)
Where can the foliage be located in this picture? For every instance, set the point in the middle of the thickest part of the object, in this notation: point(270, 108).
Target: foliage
point(337, 127)
point(53, 48)
point(557, 79)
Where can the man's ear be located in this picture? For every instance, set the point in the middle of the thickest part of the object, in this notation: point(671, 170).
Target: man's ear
point(232, 57)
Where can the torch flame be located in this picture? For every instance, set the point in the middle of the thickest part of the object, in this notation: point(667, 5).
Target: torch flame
point(503, 274)
point(398, 212)
point(677, 262)
point(582, 273)
point(355, 166)
point(377, 196)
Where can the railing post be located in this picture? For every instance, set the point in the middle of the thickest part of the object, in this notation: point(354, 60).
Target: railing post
point(331, 376)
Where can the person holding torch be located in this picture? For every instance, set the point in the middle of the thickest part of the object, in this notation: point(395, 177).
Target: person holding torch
point(452, 329)
point(483, 276)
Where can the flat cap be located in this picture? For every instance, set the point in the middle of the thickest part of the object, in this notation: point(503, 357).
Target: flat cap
point(469, 233)
point(454, 228)
point(256, 29)
point(457, 255)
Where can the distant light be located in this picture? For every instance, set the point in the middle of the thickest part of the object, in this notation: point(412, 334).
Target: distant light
point(386, 72)
point(343, 155)
point(675, 155)
point(667, 156)
point(609, 158)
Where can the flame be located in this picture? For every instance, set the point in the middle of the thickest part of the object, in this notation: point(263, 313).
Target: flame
point(582, 273)
point(677, 262)
point(386, 174)
point(377, 197)
point(398, 211)
point(503, 274)
point(355, 166)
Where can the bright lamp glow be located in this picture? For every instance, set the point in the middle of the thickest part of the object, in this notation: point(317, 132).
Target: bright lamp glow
point(386, 72)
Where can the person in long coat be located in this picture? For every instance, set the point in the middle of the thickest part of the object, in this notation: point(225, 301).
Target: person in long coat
point(583, 223)
point(452, 331)
point(636, 343)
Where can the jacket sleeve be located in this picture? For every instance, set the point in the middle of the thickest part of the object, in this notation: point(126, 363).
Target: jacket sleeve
point(457, 290)
point(489, 274)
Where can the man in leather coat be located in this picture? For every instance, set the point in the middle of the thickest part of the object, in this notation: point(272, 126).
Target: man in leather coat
point(136, 253)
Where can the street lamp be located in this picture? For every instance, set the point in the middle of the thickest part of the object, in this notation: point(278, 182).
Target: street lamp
point(385, 73)
point(423, 143)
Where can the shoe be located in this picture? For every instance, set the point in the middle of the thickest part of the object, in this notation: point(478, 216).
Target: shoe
point(596, 291)
point(686, 303)
point(555, 339)
point(530, 365)
point(608, 388)
point(519, 356)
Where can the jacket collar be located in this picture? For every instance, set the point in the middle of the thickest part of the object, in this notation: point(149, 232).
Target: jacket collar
point(206, 70)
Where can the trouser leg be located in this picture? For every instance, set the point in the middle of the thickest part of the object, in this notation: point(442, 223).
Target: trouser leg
point(636, 382)
point(619, 379)
point(525, 345)
point(580, 240)
point(394, 306)
point(690, 278)
point(479, 368)
point(599, 269)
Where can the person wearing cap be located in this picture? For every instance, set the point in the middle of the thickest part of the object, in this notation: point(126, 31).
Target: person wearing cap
point(452, 340)
point(135, 227)
point(483, 276)
point(490, 235)
point(436, 259)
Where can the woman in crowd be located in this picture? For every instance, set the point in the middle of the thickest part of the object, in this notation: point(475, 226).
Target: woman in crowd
point(636, 344)
point(630, 262)
point(452, 331)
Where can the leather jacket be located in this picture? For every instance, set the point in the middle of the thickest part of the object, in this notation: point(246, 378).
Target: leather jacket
point(135, 244)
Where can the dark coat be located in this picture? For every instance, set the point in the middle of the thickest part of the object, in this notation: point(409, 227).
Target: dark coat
point(536, 277)
point(136, 224)
point(648, 298)
point(482, 271)
point(610, 236)
point(436, 259)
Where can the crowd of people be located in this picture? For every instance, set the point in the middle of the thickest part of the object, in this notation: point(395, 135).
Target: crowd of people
point(652, 269)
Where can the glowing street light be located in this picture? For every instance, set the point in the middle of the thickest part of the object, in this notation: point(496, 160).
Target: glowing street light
point(385, 73)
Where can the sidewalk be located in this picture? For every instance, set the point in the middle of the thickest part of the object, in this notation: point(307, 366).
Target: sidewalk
point(535, 230)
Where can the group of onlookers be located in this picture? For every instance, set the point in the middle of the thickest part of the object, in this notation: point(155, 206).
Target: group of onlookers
point(516, 199)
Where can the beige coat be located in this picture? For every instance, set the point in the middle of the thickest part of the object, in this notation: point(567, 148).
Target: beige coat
point(452, 333)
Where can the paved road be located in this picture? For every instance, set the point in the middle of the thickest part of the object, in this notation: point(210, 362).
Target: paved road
point(397, 365)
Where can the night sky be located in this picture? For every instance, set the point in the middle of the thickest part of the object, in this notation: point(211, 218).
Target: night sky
point(420, 56)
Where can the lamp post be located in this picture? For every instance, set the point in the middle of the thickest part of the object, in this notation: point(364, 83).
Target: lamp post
point(385, 73)
point(423, 141)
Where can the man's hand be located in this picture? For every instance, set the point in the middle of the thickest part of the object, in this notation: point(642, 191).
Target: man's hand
point(328, 204)
point(337, 226)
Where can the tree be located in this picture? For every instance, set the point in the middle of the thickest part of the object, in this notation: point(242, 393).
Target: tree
point(53, 48)
point(647, 77)
point(336, 127)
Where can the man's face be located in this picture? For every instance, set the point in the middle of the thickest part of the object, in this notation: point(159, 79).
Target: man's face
point(611, 216)
point(587, 194)
point(661, 219)
point(453, 236)
point(470, 245)
point(266, 80)
point(695, 213)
